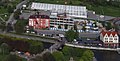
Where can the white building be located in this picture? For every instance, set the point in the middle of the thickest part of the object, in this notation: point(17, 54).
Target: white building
point(62, 24)
point(72, 11)
point(110, 38)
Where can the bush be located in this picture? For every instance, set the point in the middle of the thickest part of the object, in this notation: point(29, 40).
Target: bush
point(11, 57)
point(87, 55)
point(58, 56)
point(78, 54)
point(48, 57)
point(20, 26)
point(71, 35)
point(36, 47)
point(22, 44)
point(16, 14)
point(4, 48)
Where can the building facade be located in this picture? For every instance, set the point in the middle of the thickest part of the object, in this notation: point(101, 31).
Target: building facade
point(39, 21)
point(109, 38)
point(61, 23)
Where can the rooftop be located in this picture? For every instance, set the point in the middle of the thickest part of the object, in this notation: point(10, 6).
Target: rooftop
point(109, 33)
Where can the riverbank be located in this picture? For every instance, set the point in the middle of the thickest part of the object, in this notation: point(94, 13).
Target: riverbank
point(106, 55)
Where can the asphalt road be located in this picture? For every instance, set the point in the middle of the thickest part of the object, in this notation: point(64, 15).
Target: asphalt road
point(29, 37)
point(88, 35)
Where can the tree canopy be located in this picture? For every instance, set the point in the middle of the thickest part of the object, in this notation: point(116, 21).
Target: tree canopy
point(71, 35)
point(36, 47)
point(11, 57)
point(48, 57)
point(58, 56)
point(4, 48)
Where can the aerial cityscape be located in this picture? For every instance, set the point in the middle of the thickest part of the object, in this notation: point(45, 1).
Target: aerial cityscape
point(59, 30)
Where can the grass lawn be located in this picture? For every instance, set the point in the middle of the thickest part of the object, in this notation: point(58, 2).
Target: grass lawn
point(106, 10)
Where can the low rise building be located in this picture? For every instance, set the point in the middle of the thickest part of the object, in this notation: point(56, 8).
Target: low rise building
point(109, 38)
point(72, 11)
point(39, 21)
point(61, 23)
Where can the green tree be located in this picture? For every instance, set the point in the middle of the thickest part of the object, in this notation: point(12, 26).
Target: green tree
point(108, 26)
point(71, 2)
point(81, 60)
point(87, 55)
point(20, 26)
point(4, 48)
point(84, 29)
point(11, 57)
point(48, 57)
point(59, 26)
point(10, 9)
point(71, 35)
point(58, 56)
point(3, 26)
point(38, 58)
point(66, 26)
point(17, 13)
point(36, 47)
point(69, 51)
point(66, 50)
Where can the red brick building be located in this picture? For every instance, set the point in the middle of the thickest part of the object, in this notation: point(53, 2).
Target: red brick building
point(39, 21)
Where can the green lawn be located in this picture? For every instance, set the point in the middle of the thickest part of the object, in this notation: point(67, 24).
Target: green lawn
point(106, 10)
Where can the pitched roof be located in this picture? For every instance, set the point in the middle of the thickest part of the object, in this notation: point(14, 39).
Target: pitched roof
point(109, 33)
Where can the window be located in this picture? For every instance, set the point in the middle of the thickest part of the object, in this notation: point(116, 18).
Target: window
point(115, 38)
point(106, 39)
point(111, 38)
point(110, 41)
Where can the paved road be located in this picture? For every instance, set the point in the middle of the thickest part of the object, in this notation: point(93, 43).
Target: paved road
point(50, 32)
point(29, 37)
point(19, 6)
point(90, 47)
point(89, 35)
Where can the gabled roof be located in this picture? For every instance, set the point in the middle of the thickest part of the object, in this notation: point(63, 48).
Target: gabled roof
point(109, 33)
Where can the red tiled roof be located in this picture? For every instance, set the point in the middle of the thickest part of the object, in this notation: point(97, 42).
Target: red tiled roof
point(109, 33)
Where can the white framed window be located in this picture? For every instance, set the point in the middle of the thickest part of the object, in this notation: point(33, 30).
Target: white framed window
point(115, 39)
point(106, 39)
point(110, 38)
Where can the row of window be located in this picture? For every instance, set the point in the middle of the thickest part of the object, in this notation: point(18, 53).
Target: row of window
point(111, 38)
point(61, 24)
point(108, 41)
